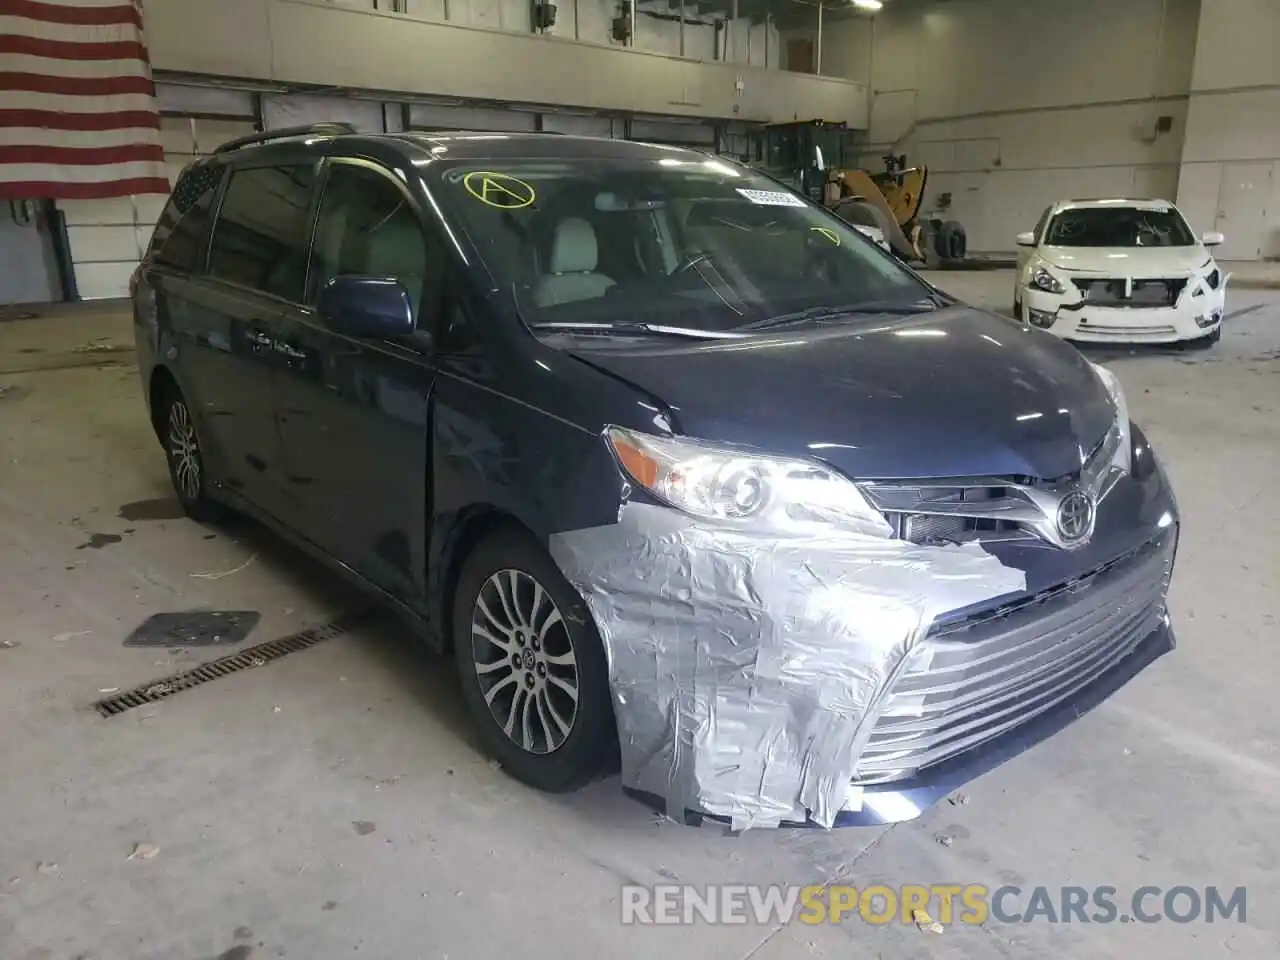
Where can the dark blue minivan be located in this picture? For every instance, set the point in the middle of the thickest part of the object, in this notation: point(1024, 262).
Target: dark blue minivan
point(689, 476)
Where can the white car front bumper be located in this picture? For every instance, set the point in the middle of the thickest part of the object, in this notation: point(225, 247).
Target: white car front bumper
point(1072, 317)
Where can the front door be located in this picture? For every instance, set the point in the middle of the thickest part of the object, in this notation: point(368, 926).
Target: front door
point(1242, 209)
point(353, 412)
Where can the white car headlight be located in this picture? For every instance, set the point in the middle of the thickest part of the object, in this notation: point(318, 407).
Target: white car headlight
point(1210, 278)
point(742, 488)
point(1042, 279)
point(1123, 458)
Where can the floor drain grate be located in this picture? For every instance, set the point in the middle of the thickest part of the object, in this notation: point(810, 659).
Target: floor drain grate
point(257, 656)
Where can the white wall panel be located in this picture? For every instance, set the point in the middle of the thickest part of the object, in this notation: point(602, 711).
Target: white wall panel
point(1157, 182)
point(1234, 114)
point(1236, 44)
point(105, 243)
point(104, 281)
point(1016, 103)
point(1198, 193)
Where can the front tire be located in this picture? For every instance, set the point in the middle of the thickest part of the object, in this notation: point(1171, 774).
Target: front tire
point(186, 462)
point(532, 666)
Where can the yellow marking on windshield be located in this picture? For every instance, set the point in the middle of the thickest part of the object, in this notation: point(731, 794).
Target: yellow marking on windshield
point(500, 190)
point(828, 233)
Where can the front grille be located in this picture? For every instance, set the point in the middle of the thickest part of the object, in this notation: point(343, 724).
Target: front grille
point(1119, 292)
point(989, 509)
point(920, 513)
point(973, 679)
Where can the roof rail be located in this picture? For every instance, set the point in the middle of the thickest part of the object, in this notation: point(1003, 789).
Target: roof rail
point(329, 129)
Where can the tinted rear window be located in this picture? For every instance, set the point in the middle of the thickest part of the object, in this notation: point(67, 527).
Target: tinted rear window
point(178, 240)
point(260, 238)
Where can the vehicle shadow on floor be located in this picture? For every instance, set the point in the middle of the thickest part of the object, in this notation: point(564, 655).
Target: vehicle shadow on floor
point(402, 657)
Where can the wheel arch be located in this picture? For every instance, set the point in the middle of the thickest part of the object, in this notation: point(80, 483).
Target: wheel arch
point(456, 542)
point(161, 385)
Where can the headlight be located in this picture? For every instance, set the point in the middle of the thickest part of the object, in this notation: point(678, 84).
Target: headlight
point(1123, 458)
point(739, 487)
point(1042, 279)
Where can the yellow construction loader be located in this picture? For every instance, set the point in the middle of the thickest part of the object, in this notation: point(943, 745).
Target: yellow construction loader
point(810, 155)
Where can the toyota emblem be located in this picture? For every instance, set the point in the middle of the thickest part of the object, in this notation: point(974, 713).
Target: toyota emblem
point(1075, 517)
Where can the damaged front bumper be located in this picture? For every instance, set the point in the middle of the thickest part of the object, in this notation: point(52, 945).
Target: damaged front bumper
point(843, 681)
point(1074, 318)
point(887, 803)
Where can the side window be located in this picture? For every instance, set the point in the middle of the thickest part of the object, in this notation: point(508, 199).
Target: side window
point(1041, 223)
point(178, 240)
point(367, 227)
point(260, 237)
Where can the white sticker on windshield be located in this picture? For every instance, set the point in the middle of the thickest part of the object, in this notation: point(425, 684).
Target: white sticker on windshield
point(772, 198)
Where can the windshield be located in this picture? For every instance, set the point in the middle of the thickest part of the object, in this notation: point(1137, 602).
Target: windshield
point(692, 243)
point(1118, 227)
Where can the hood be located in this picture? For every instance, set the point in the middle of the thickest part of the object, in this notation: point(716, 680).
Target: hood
point(1151, 262)
point(954, 393)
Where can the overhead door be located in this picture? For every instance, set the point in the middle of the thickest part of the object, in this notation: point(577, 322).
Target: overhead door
point(579, 126)
point(430, 116)
point(297, 110)
point(685, 134)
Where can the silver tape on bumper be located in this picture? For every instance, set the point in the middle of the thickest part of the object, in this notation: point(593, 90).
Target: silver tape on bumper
point(748, 671)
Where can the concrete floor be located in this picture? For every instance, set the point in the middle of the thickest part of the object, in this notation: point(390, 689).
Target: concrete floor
point(334, 803)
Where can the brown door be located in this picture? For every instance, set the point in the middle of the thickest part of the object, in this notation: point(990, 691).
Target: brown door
point(800, 55)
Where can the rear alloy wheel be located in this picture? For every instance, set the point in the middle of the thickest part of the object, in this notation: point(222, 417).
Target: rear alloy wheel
point(186, 465)
point(532, 666)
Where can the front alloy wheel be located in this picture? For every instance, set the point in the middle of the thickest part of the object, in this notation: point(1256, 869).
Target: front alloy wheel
point(532, 666)
point(525, 662)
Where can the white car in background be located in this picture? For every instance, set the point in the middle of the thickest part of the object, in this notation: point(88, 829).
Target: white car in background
point(1119, 271)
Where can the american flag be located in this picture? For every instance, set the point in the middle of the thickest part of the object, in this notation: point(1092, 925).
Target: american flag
point(78, 117)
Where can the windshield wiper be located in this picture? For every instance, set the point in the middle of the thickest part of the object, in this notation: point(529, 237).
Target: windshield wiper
point(651, 329)
point(926, 304)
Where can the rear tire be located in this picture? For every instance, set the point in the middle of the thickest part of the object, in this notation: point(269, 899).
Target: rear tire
point(952, 243)
point(183, 454)
point(532, 666)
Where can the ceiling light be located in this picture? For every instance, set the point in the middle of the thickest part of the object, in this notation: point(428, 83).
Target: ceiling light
point(869, 5)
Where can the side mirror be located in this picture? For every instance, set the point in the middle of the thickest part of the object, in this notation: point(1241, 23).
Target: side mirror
point(1212, 238)
point(366, 306)
point(1027, 239)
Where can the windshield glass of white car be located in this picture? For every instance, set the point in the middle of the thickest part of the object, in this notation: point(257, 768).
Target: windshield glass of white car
point(1118, 227)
